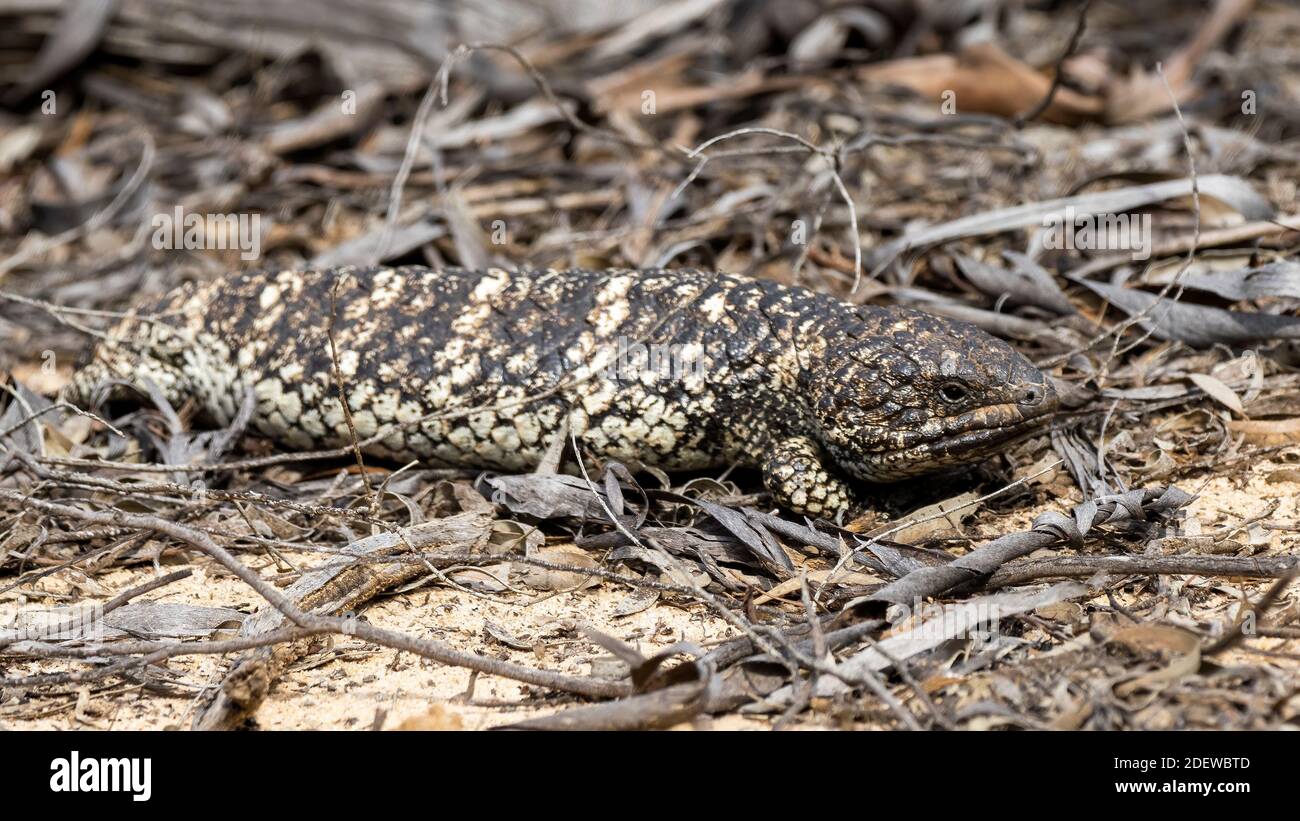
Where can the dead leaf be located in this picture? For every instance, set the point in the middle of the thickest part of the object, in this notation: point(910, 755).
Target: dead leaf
point(1218, 391)
point(1284, 475)
point(1145, 94)
point(1180, 647)
point(941, 517)
point(1267, 431)
point(817, 577)
point(1232, 191)
point(541, 578)
point(1197, 325)
point(983, 78)
point(79, 30)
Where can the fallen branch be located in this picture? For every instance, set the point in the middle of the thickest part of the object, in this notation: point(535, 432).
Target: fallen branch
point(340, 585)
point(427, 648)
point(1083, 566)
point(1049, 529)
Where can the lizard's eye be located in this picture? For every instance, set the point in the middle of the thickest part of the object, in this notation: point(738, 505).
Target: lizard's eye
point(952, 392)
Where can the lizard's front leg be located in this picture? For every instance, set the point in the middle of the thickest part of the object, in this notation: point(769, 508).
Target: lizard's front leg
point(794, 473)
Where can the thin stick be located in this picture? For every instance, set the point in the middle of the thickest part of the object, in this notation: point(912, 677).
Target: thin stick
point(1058, 75)
point(343, 396)
point(428, 648)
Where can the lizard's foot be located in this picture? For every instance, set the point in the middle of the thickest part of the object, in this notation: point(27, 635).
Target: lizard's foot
point(796, 476)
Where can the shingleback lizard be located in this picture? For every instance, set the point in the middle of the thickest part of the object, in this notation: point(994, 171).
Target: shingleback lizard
point(678, 369)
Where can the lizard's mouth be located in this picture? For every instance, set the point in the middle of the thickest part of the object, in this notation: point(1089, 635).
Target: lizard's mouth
point(976, 443)
point(961, 441)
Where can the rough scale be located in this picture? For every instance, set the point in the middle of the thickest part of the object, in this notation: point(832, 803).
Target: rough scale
point(678, 369)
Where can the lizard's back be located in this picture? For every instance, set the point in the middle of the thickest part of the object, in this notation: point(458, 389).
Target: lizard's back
point(681, 369)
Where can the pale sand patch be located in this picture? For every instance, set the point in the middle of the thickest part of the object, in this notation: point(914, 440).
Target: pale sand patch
point(353, 686)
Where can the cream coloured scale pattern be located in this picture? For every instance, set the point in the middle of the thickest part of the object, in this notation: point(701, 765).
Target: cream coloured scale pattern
point(677, 369)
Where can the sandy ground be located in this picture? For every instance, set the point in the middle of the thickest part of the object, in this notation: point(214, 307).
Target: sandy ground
point(350, 685)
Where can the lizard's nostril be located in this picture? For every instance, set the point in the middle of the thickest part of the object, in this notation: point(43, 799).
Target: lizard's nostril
point(1032, 395)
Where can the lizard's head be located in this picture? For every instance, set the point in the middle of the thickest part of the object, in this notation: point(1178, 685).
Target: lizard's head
point(913, 394)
